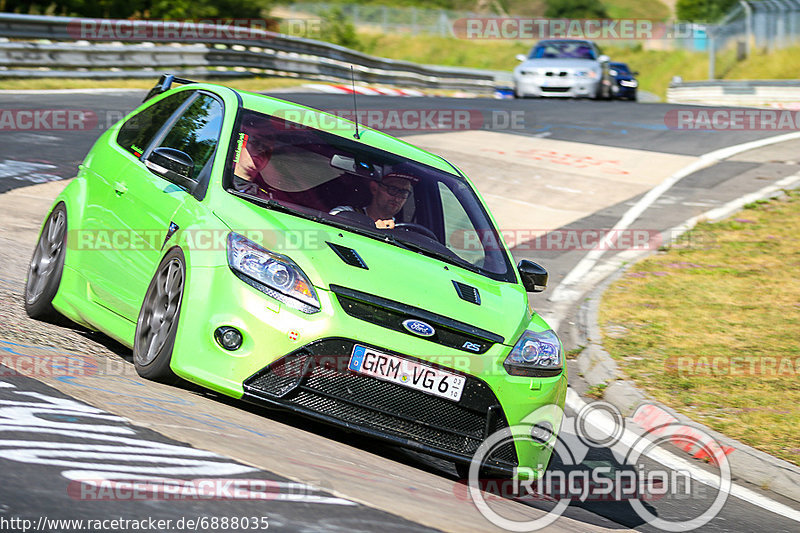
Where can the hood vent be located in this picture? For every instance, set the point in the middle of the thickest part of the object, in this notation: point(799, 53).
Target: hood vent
point(348, 255)
point(467, 292)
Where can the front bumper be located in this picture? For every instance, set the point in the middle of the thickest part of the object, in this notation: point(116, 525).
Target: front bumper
point(566, 87)
point(299, 362)
point(314, 381)
point(619, 90)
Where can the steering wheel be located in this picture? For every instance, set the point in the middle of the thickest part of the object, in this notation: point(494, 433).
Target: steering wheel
point(410, 226)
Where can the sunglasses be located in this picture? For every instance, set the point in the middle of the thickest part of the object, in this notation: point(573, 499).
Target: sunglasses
point(258, 145)
point(397, 192)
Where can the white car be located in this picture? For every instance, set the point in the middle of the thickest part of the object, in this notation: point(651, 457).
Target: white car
point(562, 67)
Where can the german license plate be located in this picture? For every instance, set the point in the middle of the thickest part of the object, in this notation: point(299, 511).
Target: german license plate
point(555, 83)
point(407, 373)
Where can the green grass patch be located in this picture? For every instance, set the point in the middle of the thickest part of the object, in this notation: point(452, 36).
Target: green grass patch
point(711, 326)
point(636, 9)
point(597, 391)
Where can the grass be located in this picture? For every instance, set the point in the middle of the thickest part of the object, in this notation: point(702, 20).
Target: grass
point(656, 67)
point(597, 391)
point(636, 9)
point(711, 326)
point(574, 353)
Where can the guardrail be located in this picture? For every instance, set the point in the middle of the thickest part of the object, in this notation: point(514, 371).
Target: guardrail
point(44, 46)
point(747, 93)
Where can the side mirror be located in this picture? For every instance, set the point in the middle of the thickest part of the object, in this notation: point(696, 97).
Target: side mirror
point(521, 57)
point(635, 73)
point(173, 165)
point(604, 59)
point(534, 276)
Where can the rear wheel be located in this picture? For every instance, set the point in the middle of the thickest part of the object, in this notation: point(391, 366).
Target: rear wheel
point(157, 325)
point(46, 267)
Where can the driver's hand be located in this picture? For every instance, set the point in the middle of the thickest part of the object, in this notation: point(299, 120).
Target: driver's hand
point(384, 224)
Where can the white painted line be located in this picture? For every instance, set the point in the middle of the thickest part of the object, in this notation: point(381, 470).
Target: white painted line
point(724, 211)
point(629, 439)
point(601, 270)
point(567, 291)
point(563, 189)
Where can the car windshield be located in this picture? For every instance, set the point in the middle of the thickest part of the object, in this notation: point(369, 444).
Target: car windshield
point(338, 181)
point(563, 50)
point(622, 68)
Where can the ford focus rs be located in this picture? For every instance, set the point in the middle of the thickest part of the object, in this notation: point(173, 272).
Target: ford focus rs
point(280, 255)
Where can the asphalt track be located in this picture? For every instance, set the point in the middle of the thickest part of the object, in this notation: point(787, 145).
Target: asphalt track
point(342, 482)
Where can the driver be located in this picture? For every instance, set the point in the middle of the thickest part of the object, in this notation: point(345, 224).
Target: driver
point(388, 197)
point(253, 154)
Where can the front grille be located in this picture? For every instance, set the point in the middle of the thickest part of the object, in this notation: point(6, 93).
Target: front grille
point(556, 89)
point(316, 380)
point(390, 314)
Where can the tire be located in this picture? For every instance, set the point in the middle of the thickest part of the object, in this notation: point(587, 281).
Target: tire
point(157, 324)
point(47, 266)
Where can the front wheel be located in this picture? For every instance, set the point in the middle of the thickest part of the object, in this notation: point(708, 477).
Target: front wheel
point(46, 267)
point(157, 325)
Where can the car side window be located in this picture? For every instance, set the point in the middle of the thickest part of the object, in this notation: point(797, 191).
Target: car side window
point(196, 132)
point(460, 235)
point(138, 131)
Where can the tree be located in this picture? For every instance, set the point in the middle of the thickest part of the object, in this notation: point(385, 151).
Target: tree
point(338, 29)
point(576, 9)
point(703, 10)
point(151, 9)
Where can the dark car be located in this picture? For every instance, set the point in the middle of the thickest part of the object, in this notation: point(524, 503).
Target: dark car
point(623, 81)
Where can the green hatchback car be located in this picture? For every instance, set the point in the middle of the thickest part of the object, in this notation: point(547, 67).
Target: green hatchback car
point(232, 241)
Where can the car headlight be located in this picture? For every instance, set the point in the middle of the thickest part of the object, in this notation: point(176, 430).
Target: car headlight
point(273, 274)
point(586, 74)
point(535, 354)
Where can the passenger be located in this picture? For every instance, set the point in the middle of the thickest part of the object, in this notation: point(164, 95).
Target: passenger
point(388, 197)
point(252, 157)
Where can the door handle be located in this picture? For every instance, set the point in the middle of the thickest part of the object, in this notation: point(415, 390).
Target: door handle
point(120, 188)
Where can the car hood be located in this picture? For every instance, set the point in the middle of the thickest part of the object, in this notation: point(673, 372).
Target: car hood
point(559, 63)
point(392, 272)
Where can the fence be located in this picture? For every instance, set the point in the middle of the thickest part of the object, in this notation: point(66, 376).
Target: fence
point(765, 24)
point(47, 46)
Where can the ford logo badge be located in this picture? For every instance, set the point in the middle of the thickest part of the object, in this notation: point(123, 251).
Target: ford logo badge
point(418, 327)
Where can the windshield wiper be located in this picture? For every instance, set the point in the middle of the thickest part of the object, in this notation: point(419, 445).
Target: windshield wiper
point(272, 204)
